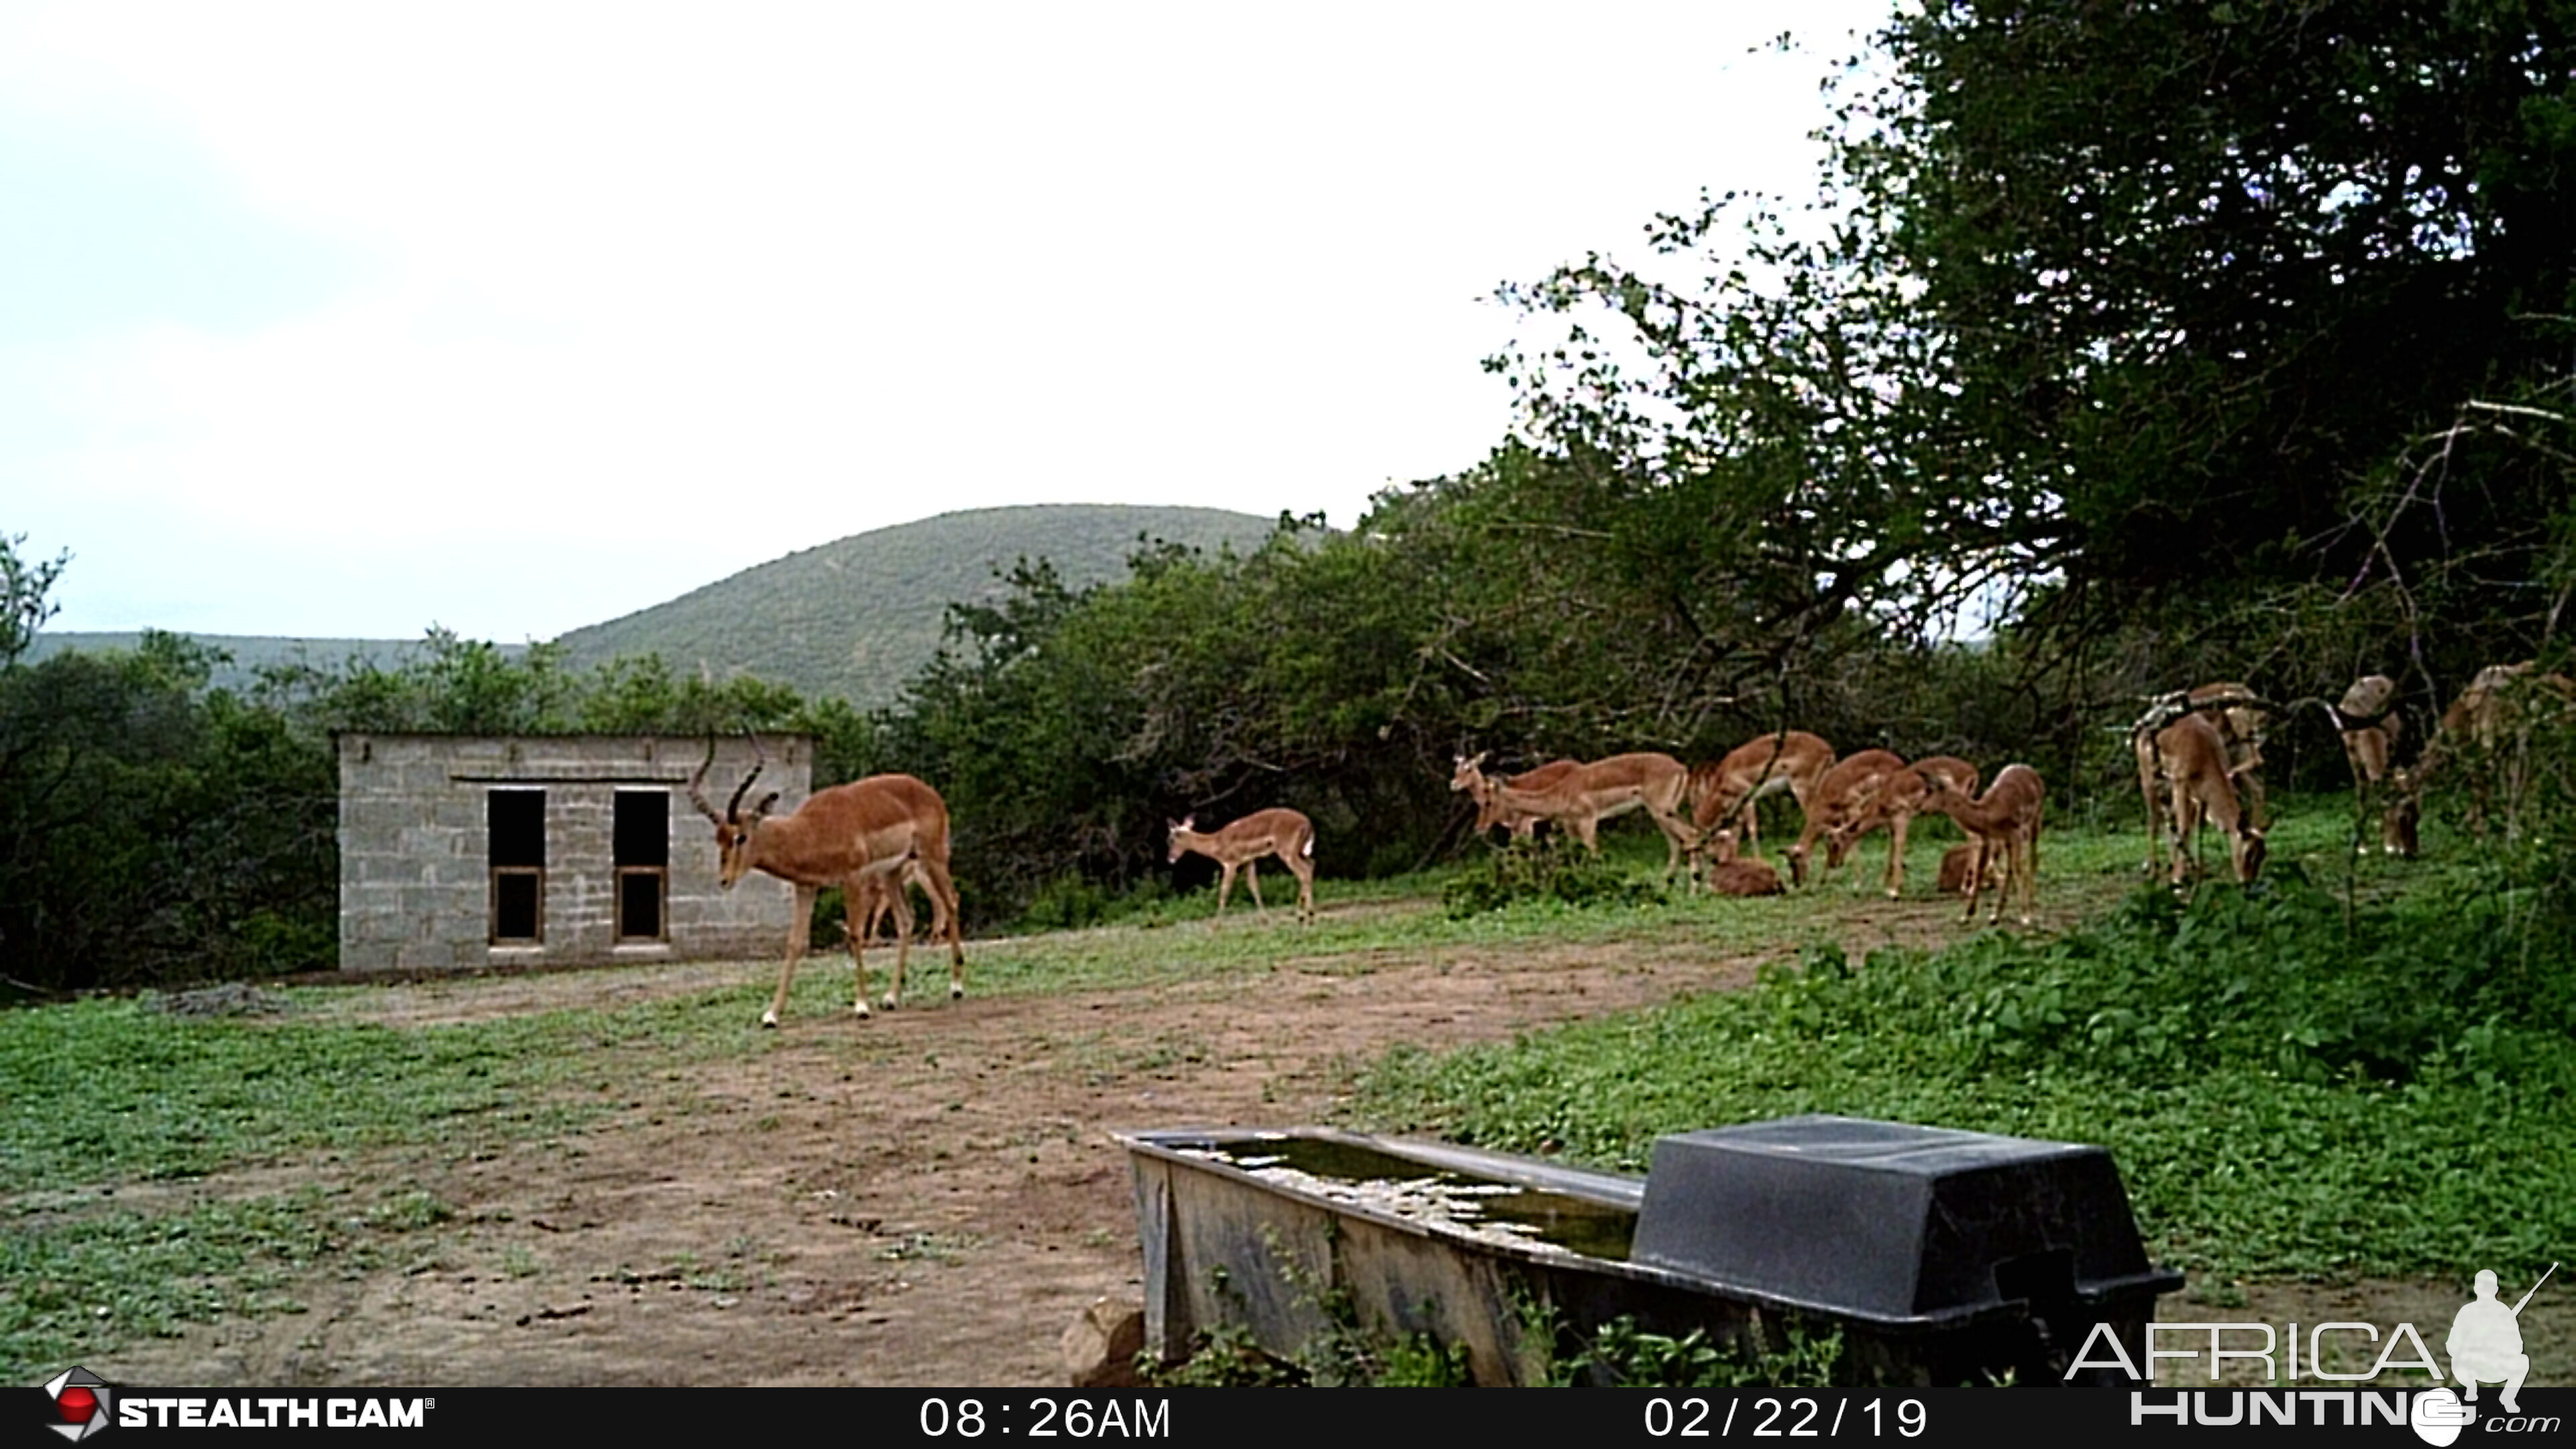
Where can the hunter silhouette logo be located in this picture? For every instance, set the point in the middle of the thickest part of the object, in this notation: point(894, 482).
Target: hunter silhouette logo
point(80, 1403)
point(2486, 1342)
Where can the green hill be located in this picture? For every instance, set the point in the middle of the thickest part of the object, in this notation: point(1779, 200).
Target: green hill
point(860, 616)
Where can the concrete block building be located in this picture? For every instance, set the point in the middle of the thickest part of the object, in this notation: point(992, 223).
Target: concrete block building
point(472, 850)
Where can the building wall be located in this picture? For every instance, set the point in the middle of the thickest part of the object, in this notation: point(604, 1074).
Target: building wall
point(415, 875)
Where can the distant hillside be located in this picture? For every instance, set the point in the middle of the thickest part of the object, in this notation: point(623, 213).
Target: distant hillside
point(250, 651)
point(859, 617)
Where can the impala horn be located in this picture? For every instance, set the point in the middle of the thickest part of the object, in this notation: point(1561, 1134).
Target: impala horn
point(698, 783)
point(760, 758)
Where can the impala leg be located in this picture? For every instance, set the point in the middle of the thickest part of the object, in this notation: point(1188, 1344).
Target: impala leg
point(2186, 827)
point(1977, 877)
point(943, 922)
point(1896, 826)
point(879, 904)
point(1252, 879)
point(799, 931)
point(1224, 888)
point(1681, 844)
point(2024, 874)
point(1304, 869)
point(2142, 745)
point(902, 946)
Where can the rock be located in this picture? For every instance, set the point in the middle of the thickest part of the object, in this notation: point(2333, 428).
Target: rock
point(1100, 1348)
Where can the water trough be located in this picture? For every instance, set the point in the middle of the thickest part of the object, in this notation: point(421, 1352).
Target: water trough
point(1944, 1257)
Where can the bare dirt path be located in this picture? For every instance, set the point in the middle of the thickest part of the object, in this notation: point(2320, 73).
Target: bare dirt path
point(927, 1198)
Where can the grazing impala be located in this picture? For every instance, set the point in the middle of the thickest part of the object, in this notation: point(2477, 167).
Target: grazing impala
point(1791, 760)
point(1840, 797)
point(2192, 759)
point(1589, 794)
point(1892, 803)
point(881, 826)
point(2004, 822)
point(1469, 775)
point(2369, 724)
point(1283, 833)
point(2237, 716)
point(2489, 728)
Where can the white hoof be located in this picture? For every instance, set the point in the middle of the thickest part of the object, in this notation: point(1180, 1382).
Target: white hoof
point(889, 1002)
point(861, 1009)
point(956, 992)
point(769, 1019)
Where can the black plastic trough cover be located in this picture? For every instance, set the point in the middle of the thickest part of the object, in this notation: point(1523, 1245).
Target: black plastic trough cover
point(1888, 1220)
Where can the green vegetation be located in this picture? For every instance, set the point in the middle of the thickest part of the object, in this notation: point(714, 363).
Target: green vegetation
point(2284, 1096)
point(1551, 870)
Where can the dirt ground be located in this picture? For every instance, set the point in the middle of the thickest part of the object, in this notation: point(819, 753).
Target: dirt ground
point(927, 1198)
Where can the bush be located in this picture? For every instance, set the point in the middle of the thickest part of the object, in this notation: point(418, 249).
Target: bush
point(1559, 871)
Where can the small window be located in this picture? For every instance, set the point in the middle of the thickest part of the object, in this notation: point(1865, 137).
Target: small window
point(518, 906)
point(517, 847)
point(641, 845)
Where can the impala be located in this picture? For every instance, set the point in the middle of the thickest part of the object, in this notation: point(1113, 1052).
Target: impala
point(2491, 724)
point(876, 897)
point(1791, 760)
point(1469, 776)
point(1728, 876)
point(2192, 759)
point(2236, 715)
point(1965, 865)
point(1840, 797)
point(878, 827)
point(1587, 795)
point(1286, 834)
point(1891, 803)
point(2369, 724)
point(2004, 822)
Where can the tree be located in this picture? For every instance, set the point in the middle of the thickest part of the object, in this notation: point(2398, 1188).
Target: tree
point(2115, 304)
point(2197, 272)
point(24, 601)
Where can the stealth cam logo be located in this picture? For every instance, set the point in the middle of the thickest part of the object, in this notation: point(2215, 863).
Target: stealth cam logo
point(80, 1403)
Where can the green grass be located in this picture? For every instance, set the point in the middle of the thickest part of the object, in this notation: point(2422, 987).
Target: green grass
point(106, 1096)
point(74, 1283)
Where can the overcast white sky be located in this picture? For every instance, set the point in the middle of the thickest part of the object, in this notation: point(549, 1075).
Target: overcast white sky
point(343, 319)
